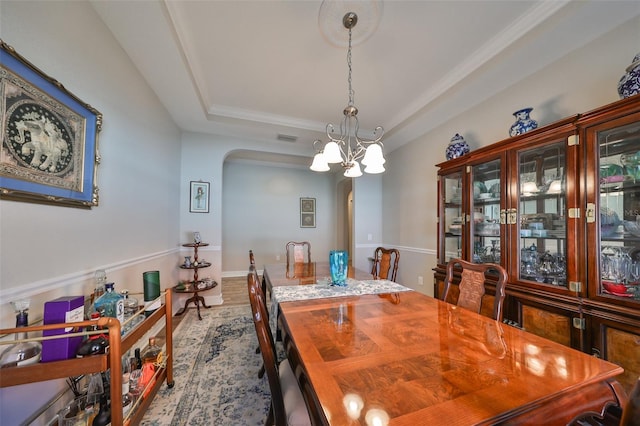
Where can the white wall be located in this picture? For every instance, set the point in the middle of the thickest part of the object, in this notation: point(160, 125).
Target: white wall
point(261, 212)
point(583, 80)
point(51, 251)
point(367, 218)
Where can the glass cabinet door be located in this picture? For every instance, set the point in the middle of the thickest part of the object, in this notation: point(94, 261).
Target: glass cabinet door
point(541, 220)
point(485, 212)
point(451, 217)
point(619, 212)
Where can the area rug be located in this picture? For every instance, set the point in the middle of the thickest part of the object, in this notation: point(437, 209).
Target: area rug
point(215, 373)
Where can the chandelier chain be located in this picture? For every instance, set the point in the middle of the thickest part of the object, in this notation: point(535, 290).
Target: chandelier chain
point(349, 64)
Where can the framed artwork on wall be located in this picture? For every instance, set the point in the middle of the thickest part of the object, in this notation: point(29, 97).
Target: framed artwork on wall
point(307, 212)
point(49, 152)
point(199, 198)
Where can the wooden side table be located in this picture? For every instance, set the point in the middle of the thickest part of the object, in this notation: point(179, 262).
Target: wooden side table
point(196, 299)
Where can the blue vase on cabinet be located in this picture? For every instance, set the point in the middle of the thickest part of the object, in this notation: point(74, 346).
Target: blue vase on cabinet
point(629, 84)
point(457, 147)
point(524, 123)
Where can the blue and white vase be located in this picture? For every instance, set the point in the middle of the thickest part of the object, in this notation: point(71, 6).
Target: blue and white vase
point(629, 84)
point(457, 147)
point(523, 123)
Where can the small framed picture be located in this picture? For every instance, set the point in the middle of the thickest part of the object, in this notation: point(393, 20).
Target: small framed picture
point(199, 198)
point(307, 212)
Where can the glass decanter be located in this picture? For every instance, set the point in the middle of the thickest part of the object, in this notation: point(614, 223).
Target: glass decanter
point(22, 353)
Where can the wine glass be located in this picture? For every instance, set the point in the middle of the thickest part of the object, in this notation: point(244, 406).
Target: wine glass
point(634, 272)
point(606, 256)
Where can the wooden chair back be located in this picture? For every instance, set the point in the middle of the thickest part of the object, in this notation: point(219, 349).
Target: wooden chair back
point(267, 348)
point(631, 411)
point(385, 264)
point(296, 252)
point(473, 286)
point(252, 260)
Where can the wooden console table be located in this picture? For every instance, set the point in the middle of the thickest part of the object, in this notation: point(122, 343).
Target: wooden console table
point(196, 298)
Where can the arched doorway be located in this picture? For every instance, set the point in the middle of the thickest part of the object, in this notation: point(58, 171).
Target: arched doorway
point(344, 213)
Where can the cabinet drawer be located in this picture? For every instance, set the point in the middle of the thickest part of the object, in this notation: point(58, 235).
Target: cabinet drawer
point(619, 343)
point(550, 325)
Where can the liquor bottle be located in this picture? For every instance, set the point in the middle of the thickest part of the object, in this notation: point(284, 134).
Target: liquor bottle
point(127, 398)
point(138, 358)
point(22, 353)
point(127, 401)
point(130, 310)
point(152, 354)
point(111, 304)
point(151, 360)
point(103, 418)
point(101, 279)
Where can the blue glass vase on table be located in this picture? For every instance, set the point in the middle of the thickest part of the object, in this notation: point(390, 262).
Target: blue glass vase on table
point(339, 265)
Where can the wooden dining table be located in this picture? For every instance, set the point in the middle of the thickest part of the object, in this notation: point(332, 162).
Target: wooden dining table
point(409, 359)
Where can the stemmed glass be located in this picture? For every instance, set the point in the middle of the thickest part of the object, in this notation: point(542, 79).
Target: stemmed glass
point(634, 273)
point(495, 251)
point(606, 262)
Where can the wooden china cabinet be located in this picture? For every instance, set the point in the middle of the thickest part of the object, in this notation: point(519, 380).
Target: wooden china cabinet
point(559, 208)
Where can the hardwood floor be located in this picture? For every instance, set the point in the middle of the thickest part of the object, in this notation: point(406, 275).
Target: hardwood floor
point(234, 291)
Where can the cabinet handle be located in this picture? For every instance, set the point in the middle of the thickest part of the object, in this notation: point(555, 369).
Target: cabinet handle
point(513, 217)
point(503, 217)
point(591, 212)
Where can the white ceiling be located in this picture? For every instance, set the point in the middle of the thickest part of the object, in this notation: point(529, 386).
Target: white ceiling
point(257, 69)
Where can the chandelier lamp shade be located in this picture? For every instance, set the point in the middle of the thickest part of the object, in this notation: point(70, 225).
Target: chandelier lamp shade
point(348, 148)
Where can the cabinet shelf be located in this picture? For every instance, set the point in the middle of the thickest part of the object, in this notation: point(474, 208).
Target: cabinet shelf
point(483, 201)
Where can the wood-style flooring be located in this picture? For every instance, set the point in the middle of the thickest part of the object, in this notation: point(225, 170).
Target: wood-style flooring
point(234, 292)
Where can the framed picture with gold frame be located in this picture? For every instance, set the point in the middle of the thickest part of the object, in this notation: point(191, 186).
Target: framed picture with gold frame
point(307, 212)
point(49, 152)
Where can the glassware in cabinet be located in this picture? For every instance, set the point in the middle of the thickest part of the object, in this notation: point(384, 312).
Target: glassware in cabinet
point(451, 217)
point(618, 215)
point(542, 242)
point(486, 212)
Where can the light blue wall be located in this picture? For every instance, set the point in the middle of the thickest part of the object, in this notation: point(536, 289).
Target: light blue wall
point(51, 251)
point(265, 213)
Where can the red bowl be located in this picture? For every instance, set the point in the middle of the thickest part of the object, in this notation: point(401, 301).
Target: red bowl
point(614, 288)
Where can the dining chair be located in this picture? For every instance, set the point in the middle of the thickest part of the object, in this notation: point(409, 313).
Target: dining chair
point(254, 272)
point(472, 287)
point(385, 264)
point(288, 407)
point(631, 411)
point(296, 251)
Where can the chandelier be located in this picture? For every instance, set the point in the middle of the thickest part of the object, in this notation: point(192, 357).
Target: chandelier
point(349, 149)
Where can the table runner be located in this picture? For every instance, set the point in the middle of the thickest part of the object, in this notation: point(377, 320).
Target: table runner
point(324, 289)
